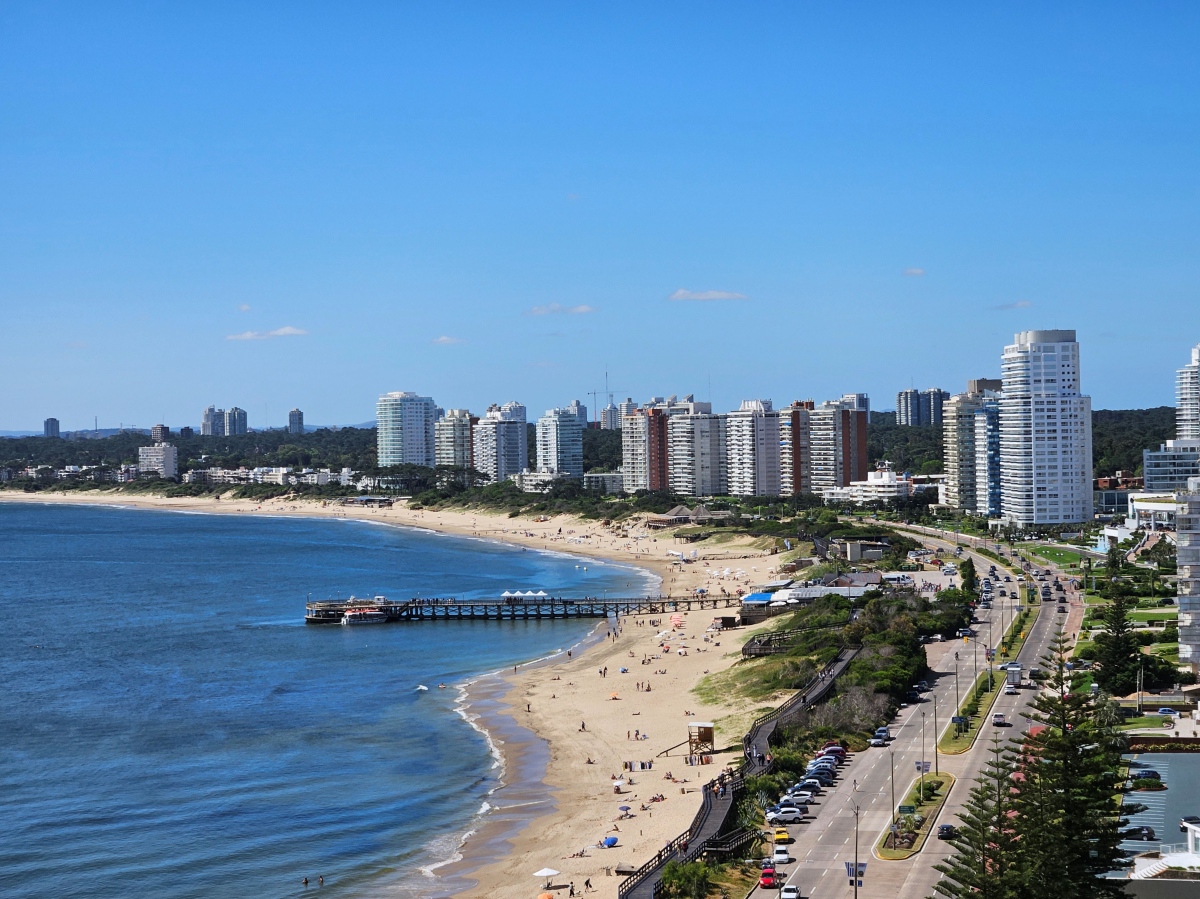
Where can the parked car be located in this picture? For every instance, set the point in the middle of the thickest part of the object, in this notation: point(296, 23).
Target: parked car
point(1189, 819)
point(877, 741)
point(1149, 774)
point(785, 816)
point(767, 880)
point(802, 797)
point(947, 832)
point(780, 855)
point(1165, 711)
point(791, 891)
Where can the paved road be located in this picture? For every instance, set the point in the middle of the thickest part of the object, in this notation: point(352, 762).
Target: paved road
point(823, 845)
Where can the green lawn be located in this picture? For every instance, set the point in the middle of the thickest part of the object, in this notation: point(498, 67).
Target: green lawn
point(1058, 556)
point(1165, 613)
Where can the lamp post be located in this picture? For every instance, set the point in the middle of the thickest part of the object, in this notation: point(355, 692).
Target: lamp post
point(893, 760)
point(922, 756)
point(935, 736)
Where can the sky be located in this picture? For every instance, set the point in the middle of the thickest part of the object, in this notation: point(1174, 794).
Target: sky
point(307, 205)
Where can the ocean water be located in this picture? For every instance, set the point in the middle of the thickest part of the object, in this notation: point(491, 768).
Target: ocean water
point(170, 727)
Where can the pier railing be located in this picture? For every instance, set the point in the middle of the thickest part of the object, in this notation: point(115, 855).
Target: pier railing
point(515, 608)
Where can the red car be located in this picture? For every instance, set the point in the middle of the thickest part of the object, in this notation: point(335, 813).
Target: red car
point(767, 879)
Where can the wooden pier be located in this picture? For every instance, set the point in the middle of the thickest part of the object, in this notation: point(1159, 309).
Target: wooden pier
point(524, 609)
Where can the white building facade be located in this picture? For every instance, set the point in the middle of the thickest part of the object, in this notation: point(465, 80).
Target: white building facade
point(501, 442)
point(405, 423)
point(161, 458)
point(452, 437)
point(752, 450)
point(212, 422)
point(1187, 399)
point(696, 454)
point(560, 443)
point(1187, 531)
point(1045, 432)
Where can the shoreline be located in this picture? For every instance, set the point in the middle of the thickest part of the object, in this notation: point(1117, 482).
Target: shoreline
point(534, 810)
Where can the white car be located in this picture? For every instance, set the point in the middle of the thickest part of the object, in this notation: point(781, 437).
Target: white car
point(780, 855)
point(878, 741)
point(802, 797)
point(791, 891)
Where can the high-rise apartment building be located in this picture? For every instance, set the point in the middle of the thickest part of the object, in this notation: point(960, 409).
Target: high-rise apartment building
point(295, 422)
point(405, 434)
point(610, 417)
point(580, 411)
point(160, 433)
point(696, 454)
point(453, 436)
point(162, 459)
point(752, 449)
point(235, 421)
point(1169, 467)
point(795, 450)
point(644, 442)
point(1187, 399)
point(908, 407)
point(987, 458)
point(501, 442)
point(50, 427)
point(1187, 532)
point(958, 442)
point(212, 422)
point(919, 408)
point(931, 405)
point(560, 442)
point(628, 407)
point(838, 442)
point(1045, 431)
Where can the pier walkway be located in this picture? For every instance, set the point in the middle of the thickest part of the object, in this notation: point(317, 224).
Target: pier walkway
point(514, 609)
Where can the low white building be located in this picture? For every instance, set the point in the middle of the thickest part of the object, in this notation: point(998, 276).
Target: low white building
point(608, 482)
point(535, 481)
point(881, 485)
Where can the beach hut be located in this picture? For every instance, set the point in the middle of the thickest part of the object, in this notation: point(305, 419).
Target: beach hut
point(701, 737)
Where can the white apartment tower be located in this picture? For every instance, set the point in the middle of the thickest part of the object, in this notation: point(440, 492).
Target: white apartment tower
point(958, 441)
point(560, 443)
point(1045, 432)
point(452, 438)
point(696, 454)
point(752, 449)
point(405, 425)
point(501, 442)
point(1187, 399)
point(1187, 525)
point(580, 411)
point(610, 417)
point(161, 458)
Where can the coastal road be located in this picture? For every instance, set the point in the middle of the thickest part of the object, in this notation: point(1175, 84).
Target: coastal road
point(824, 845)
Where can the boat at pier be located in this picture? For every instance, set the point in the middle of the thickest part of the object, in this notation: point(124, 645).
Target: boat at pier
point(364, 616)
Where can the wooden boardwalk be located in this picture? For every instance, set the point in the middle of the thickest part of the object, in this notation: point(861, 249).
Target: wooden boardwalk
point(523, 609)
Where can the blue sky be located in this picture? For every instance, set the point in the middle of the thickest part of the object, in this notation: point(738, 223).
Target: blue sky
point(483, 202)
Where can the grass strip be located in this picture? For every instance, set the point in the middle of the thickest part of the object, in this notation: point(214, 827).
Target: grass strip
point(930, 808)
point(978, 704)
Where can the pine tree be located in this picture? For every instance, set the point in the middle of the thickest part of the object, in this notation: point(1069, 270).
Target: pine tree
point(986, 859)
point(1065, 784)
point(1117, 652)
point(970, 582)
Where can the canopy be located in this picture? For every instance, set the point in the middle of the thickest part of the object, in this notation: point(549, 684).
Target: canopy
point(546, 872)
point(623, 808)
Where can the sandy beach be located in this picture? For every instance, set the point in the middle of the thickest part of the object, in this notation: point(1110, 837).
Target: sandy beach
point(593, 716)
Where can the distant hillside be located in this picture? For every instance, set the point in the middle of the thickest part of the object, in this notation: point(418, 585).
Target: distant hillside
point(1118, 438)
point(1120, 435)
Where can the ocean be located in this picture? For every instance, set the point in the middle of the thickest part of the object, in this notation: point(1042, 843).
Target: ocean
point(172, 728)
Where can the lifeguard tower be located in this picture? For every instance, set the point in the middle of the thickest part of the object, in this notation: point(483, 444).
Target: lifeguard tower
point(701, 738)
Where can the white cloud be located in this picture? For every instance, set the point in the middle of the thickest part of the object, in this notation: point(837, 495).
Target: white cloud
point(1019, 304)
point(245, 307)
point(557, 308)
point(706, 296)
point(285, 331)
point(446, 341)
point(914, 272)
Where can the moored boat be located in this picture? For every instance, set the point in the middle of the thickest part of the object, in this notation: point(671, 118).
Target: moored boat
point(364, 616)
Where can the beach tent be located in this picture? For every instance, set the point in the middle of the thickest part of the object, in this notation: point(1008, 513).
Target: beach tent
point(505, 593)
point(547, 873)
point(609, 842)
point(541, 593)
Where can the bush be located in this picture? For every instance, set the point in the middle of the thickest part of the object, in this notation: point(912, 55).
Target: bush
point(689, 881)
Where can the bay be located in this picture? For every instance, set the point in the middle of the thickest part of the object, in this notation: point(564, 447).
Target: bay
point(172, 728)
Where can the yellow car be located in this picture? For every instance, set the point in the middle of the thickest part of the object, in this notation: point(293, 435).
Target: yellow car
point(782, 836)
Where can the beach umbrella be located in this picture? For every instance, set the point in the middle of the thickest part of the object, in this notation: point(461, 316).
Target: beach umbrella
point(623, 808)
point(546, 896)
point(615, 783)
point(609, 842)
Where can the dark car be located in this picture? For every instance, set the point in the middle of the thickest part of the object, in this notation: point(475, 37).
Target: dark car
point(1148, 774)
point(1062, 610)
point(1189, 819)
point(947, 832)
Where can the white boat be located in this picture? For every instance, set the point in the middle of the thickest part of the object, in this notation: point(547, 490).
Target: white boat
point(364, 616)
